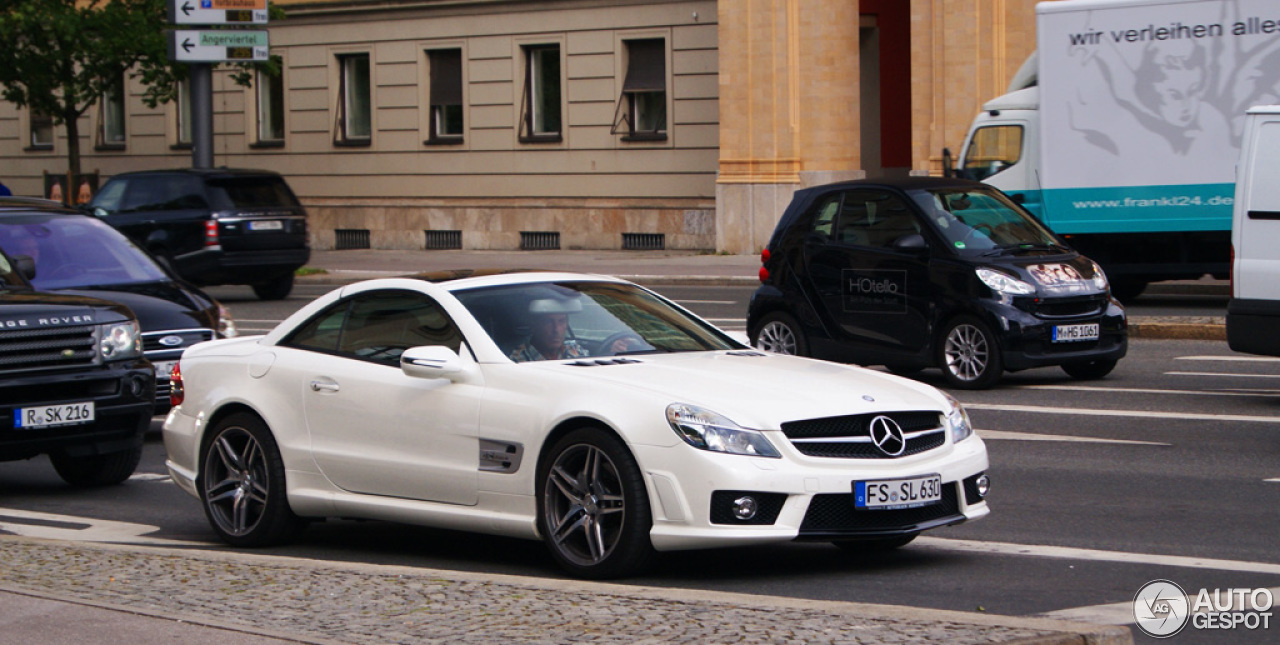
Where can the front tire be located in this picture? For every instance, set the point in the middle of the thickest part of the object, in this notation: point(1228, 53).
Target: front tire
point(1089, 370)
point(593, 510)
point(275, 289)
point(969, 355)
point(242, 486)
point(779, 333)
point(97, 470)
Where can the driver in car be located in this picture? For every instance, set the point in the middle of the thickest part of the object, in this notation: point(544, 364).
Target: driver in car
point(548, 331)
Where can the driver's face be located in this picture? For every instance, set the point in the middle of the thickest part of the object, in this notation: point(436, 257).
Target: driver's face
point(549, 331)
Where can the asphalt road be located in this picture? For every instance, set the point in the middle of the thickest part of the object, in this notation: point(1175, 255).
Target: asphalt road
point(1167, 469)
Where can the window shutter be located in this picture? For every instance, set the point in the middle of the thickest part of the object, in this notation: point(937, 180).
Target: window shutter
point(646, 67)
point(446, 77)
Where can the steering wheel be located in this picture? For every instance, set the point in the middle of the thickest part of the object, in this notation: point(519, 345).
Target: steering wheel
point(633, 340)
point(67, 271)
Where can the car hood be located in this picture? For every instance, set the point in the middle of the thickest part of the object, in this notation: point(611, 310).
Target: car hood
point(34, 310)
point(757, 390)
point(159, 305)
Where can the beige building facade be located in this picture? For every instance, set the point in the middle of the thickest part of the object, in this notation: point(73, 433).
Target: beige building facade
point(590, 124)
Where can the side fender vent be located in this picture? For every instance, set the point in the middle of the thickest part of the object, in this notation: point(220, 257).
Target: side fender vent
point(500, 456)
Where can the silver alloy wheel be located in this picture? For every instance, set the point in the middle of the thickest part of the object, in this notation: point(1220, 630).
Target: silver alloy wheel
point(777, 337)
point(236, 481)
point(584, 505)
point(967, 352)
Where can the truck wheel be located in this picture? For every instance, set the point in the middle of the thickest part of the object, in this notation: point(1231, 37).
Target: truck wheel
point(1089, 370)
point(277, 289)
point(96, 470)
point(969, 355)
point(242, 485)
point(779, 333)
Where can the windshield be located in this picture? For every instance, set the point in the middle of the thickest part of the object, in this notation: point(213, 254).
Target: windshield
point(977, 221)
point(546, 321)
point(75, 251)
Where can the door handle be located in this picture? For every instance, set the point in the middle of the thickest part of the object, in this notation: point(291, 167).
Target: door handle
point(324, 386)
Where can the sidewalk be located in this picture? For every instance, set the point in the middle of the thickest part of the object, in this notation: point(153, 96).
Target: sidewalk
point(55, 592)
point(660, 268)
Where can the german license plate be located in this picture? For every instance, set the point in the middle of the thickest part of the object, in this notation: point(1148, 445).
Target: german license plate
point(1075, 333)
point(897, 493)
point(266, 225)
point(44, 416)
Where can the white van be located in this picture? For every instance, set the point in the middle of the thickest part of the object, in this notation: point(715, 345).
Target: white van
point(1253, 315)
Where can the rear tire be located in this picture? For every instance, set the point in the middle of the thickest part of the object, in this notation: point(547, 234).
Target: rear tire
point(1089, 370)
point(969, 354)
point(97, 470)
point(242, 485)
point(276, 289)
point(779, 333)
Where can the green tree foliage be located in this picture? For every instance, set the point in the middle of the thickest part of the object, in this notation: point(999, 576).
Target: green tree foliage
point(59, 57)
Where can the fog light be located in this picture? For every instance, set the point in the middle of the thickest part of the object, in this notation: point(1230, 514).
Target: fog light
point(745, 507)
point(983, 484)
point(137, 386)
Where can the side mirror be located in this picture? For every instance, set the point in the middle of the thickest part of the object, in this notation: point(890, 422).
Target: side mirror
point(914, 242)
point(25, 265)
point(434, 361)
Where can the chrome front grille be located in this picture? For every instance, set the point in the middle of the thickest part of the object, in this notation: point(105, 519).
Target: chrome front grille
point(849, 437)
point(181, 339)
point(48, 348)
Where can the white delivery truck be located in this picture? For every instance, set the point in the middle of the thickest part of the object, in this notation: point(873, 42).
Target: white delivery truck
point(1253, 314)
point(1122, 132)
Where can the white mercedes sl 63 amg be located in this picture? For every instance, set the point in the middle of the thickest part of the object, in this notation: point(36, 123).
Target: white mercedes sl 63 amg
point(581, 410)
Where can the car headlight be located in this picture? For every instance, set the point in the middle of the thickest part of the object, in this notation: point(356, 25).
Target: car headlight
point(957, 420)
point(706, 430)
point(1099, 278)
point(120, 341)
point(1001, 282)
point(226, 324)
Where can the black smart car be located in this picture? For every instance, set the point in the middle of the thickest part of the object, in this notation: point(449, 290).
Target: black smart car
point(924, 272)
point(73, 382)
point(212, 226)
point(76, 254)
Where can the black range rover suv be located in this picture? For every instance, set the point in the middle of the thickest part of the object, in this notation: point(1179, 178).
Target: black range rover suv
point(212, 226)
point(73, 382)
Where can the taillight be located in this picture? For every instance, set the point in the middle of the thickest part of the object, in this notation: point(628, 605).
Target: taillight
point(211, 234)
point(176, 391)
point(764, 272)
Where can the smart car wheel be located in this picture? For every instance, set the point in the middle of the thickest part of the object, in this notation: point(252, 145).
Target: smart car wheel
point(1089, 370)
point(593, 509)
point(242, 484)
point(96, 470)
point(276, 289)
point(779, 333)
point(875, 545)
point(969, 354)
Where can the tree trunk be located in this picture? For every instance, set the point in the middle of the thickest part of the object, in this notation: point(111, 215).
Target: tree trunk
point(73, 148)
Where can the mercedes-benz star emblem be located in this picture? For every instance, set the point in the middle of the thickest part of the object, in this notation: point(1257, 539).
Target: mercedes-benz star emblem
point(887, 435)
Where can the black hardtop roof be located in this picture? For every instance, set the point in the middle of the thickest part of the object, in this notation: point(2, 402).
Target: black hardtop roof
point(902, 183)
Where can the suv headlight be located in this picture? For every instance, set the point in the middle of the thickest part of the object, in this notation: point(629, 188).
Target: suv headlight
point(957, 420)
point(120, 341)
point(706, 430)
point(1099, 278)
point(226, 324)
point(1001, 282)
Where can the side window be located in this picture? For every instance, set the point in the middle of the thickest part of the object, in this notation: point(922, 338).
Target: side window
point(992, 150)
point(382, 325)
point(323, 332)
point(874, 218)
point(164, 193)
point(825, 221)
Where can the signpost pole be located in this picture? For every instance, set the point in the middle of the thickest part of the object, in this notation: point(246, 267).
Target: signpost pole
point(201, 115)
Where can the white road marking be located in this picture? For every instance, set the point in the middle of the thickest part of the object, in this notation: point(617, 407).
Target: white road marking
point(81, 529)
point(1222, 374)
point(1246, 359)
point(1028, 436)
point(150, 477)
point(1273, 479)
point(1095, 555)
point(1143, 390)
point(1120, 613)
point(1146, 414)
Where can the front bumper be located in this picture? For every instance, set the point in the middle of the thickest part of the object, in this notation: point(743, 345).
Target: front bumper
point(803, 498)
point(123, 396)
point(1027, 339)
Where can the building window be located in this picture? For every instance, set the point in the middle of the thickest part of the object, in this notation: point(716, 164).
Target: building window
point(540, 113)
point(41, 130)
point(641, 114)
point(270, 98)
point(184, 114)
point(355, 107)
point(446, 95)
point(111, 117)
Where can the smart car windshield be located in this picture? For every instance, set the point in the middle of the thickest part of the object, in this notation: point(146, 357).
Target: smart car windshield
point(977, 221)
point(546, 321)
point(74, 251)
